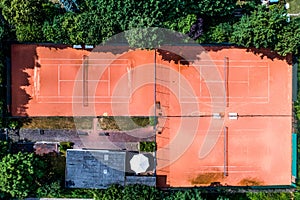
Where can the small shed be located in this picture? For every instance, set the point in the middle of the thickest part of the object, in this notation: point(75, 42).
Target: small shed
point(94, 168)
point(44, 147)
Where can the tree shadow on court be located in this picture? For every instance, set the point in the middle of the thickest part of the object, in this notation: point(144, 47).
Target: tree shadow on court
point(116, 49)
point(55, 46)
point(169, 56)
point(270, 54)
point(170, 45)
point(186, 53)
point(262, 52)
point(23, 59)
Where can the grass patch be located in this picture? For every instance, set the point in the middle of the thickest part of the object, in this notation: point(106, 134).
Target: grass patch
point(207, 178)
point(106, 123)
point(123, 123)
point(250, 182)
point(294, 6)
point(57, 123)
point(147, 146)
point(63, 146)
point(153, 120)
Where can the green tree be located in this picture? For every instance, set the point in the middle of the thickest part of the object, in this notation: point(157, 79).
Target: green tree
point(141, 192)
point(220, 33)
point(3, 149)
point(182, 24)
point(30, 32)
point(289, 39)
point(269, 195)
point(267, 28)
point(113, 192)
point(185, 195)
point(20, 174)
point(28, 16)
point(51, 190)
point(58, 31)
point(88, 27)
point(2, 31)
point(18, 12)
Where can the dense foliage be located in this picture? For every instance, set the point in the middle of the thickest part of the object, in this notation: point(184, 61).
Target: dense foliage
point(96, 20)
point(20, 174)
point(268, 28)
point(26, 17)
point(3, 149)
point(147, 146)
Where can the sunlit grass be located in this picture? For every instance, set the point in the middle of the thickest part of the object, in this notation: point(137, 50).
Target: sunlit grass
point(294, 6)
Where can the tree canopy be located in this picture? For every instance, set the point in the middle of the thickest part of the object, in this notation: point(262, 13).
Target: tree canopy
point(248, 24)
point(97, 20)
point(267, 28)
point(3, 149)
point(27, 17)
point(20, 174)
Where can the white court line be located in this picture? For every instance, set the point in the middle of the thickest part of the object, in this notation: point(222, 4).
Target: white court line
point(219, 66)
point(67, 59)
point(222, 97)
point(109, 80)
point(75, 81)
point(80, 102)
point(204, 60)
point(268, 82)
point(81, 96)
point(232, 166)
point(232, 131)
point(248, 81)
point(208, 102)
point(205, 171)
point(228, 171)
point(100, 65)
point(223, 81)
point(58, 78)
point(179, 79)
point(60, 66)
point(36, 83)
point(240, 131)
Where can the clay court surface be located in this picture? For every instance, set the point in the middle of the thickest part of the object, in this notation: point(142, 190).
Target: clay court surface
point(194, 148)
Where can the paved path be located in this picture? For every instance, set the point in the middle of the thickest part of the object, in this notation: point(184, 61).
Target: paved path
point(91, 138)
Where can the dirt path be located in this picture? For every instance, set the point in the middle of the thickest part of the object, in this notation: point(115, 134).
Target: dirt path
point(88, 138)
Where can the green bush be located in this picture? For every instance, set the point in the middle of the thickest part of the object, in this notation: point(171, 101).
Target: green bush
point(21, 174)
point(152, 120)
point(4, 147)
point(13, 124)
point(63, 146)
point(49, 190)
point(147, 146)
point(123, 123)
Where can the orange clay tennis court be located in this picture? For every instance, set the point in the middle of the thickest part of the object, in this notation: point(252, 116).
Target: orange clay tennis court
point(224, 113)
point(50, 81)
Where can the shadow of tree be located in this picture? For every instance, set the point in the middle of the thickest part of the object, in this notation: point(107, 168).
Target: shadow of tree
point(24, 60)
point(172, 56)
point(23, 57)
point(261, 52)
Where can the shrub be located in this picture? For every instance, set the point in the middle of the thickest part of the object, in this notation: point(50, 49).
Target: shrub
point(147, 146)
point(152, 120)
point(63, 146)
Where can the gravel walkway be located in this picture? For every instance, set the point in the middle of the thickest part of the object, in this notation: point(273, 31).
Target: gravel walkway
point(90, 138)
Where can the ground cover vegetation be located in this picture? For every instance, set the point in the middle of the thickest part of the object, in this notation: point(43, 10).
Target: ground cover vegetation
point(29, 175)
point(244, 23)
